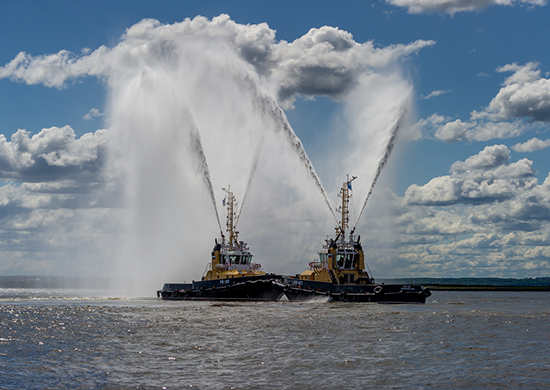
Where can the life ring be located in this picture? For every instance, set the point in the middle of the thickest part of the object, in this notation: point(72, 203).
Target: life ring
point(201, 290)
point(378, 289)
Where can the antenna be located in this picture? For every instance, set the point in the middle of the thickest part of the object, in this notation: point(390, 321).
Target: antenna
point(344, 209)
point(231, 220)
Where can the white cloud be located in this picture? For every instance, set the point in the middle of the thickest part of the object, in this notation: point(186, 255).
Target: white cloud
point(484, 178)
point(521, 105)
point(93, 113)
point(454, 6)
point(454, 131)
point(532, 145)
point(52, 154)
point(57, 210)
point(489, 158)
point(435, 93)
point(507, 238)
point(525, 94)
point(325, 61)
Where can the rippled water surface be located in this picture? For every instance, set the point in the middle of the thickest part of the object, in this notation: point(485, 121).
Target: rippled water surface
point(457, 340)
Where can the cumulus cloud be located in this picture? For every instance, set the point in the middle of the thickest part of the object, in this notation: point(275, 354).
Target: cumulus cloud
point(506, 237)
point(525, 94)
point(532, 145)
point(60, 211)
point(448, 130)
point(521, 105)
point(484, 178)
point(454, 6)
point(325, 61)
point(489, 158)
point(57, 204)
point(52, 154)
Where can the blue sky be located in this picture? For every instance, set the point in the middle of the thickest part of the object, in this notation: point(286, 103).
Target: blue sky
point(463, 194)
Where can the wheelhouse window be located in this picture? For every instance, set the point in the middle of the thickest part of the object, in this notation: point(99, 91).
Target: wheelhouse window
point(340, 260)
point(347, 260)
point(235, 259)
point(323, 258)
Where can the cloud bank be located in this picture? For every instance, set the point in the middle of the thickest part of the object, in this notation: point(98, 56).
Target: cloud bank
point(52, 154)
point(325, 61)
point(488, 217)
point(485, 177)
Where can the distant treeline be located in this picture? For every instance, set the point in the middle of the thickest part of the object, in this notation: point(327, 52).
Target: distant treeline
point(496, 282)
point(59, 282)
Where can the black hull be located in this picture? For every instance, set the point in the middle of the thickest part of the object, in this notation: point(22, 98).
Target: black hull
point(305, 290)
point(254, 288)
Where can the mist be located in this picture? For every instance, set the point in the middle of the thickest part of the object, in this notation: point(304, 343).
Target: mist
point(197, 106)
point(199, 118)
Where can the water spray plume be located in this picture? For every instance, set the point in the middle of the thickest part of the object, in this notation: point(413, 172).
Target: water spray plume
point(196, 146)
point(270, 109)
point(295, 144)
point(384, 159)
point(249, 183)
point(175, 151)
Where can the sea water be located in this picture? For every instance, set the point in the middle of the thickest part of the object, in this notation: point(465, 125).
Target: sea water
point(61, 339)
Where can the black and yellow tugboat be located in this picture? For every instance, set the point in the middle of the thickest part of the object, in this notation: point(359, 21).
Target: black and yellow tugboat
point(339, 273)
point(231, 275)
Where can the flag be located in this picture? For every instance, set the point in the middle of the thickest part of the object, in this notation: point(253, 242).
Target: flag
point(223, 201)
point(349, 185)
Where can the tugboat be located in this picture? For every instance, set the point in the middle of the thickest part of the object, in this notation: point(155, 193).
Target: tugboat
point(231, 275)
point(339, 274)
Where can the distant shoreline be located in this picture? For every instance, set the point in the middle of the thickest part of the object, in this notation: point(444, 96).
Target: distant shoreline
point(53, 282)
point(434, 284)
point(454, 287)
point(477, 284)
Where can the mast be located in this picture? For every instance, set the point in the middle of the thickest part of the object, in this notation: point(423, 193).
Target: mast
point(344, 209)
point(231, 204)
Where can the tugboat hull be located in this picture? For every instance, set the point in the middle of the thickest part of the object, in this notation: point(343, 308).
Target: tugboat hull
point(304, 290)
point(254, 288)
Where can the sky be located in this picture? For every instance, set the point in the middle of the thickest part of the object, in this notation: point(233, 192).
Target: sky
point(100, 101)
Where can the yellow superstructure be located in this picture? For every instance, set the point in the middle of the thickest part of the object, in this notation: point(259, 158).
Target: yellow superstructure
point(231, 258)
point(342, 260)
